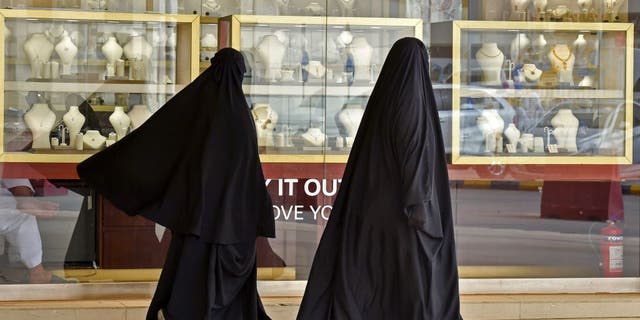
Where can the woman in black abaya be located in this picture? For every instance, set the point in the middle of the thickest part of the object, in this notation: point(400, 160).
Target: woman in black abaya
point(388, 249)
point(194, 168)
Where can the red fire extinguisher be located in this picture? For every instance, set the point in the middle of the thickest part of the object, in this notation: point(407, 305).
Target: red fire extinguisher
point(611, 245)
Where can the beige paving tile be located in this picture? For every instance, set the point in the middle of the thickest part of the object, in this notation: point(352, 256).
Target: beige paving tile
point(40, 314)
point(136, 313)
point(538, 310)
point(282, 312)
point(490, 311)
point(101, 314)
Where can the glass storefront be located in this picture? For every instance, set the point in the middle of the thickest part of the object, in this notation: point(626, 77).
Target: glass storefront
point(537, 106)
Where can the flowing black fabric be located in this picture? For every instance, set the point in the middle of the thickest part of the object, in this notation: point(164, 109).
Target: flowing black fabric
point(193, 167)
point(388, 249)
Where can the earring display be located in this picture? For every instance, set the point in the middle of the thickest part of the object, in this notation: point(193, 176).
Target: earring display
point(577, 77)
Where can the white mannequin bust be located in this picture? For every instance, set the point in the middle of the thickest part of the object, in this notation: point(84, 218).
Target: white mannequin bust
point(40, 120)
point(361, 51)
point(67, 52)
point(271, 52)
point(518, 6)
point(137, 48)
point(120, 122)
point(565, 129)
point(313, 137)
point(350, 117)
point(612, 9)
point(512, 134)
point(74, 120)
point(562, 61)
point(541, 6)
point(92, 139)
point(519, 47)
point(38, 50)
point(265, 119)
point(112, 51)
point(490, 59)
point(344, 39)
point(139, 114)
point(579, 48)
point(209, 41)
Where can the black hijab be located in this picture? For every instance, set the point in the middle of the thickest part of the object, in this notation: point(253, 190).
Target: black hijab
point(388, 249)
point(193, 166)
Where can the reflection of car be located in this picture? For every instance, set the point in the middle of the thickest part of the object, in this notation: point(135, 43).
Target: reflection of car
point(601, 128)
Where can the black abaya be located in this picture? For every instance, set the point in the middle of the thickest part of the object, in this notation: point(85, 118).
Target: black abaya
point(194, 168)
point(388, 249)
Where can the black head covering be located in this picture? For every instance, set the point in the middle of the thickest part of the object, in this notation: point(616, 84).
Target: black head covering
point(193, 166)
point(388, 249)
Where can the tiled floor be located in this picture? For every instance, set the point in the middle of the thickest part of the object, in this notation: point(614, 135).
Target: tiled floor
point(475, 307)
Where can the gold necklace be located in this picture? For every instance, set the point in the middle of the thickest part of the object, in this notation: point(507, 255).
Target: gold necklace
point(564, 61)
point(489, 56)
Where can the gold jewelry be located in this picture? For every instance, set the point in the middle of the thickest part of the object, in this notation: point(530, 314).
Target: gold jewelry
point(489, 56)
point(564, 61)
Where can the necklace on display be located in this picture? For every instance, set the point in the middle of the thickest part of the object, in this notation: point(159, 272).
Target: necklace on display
point(565, 60)
point(488, 55)
point(266, 121)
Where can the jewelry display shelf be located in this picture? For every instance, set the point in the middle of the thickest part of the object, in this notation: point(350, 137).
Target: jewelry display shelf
point(578, 122)
point(92, 87)
point(168, 62)
point(311, 76)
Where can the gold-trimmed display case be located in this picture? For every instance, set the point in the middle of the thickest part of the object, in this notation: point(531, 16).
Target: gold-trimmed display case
point(208, 40)
point(117, 68)
point(309, 78)
point(542, 93)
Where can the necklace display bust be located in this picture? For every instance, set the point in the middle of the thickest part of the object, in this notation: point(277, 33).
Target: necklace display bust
point(313, 137)
point(40, 120)
point(562, 61)
point(67, 51)
point(38, 50)
point(137, 48)
point(361, 51)
point(112, 51)
point(490, 59)
point(271, 52)
point(519, 9)
point(265, 119)
point(565, 129)
point(120, 122)
point(139, 114)
point(92, 139)
point(349, 117)
point(74, 120)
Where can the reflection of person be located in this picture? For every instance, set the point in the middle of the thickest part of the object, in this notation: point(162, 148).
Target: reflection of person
point(18, 212)
point(193, 167)
point(388, 249)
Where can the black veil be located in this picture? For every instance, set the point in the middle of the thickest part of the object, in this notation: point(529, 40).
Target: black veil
point(388, 249)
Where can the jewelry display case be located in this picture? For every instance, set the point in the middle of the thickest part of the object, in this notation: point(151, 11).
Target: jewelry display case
point(554, 10)
point(542, 93)
point(208, 41)
point(76, 82)
point(308, 78)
